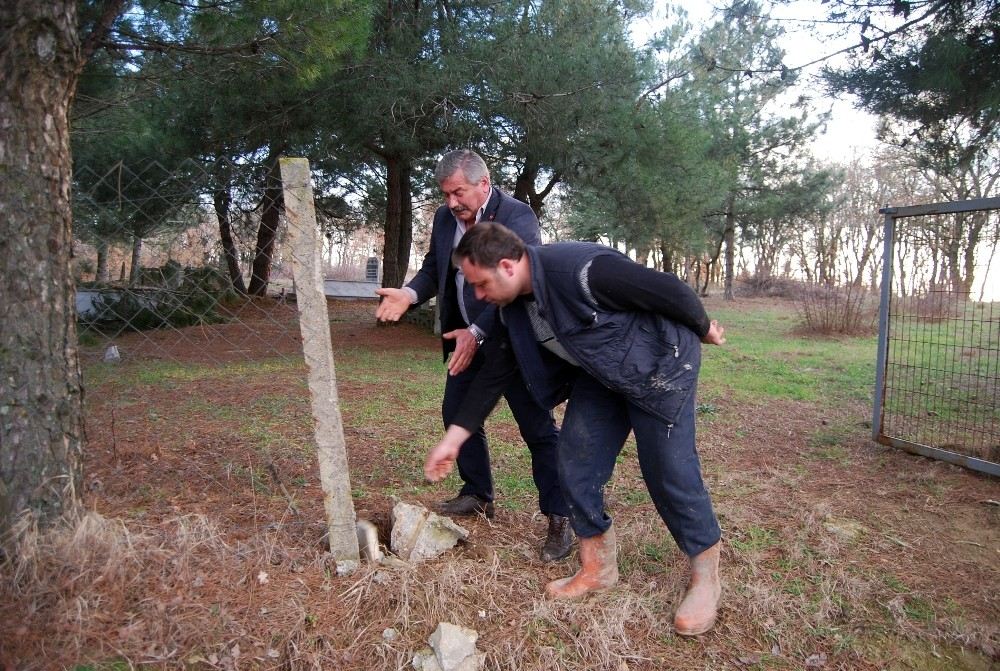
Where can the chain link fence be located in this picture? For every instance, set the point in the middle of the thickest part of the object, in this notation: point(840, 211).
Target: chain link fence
point(191, 263)
point(207, 266)
point(938, 377)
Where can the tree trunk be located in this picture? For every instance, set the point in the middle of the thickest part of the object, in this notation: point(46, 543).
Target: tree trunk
point(729, 239)
point(398, 221)
point(867, 253)
point(101, 274)
point(40, 398)
point(524, 187)
point(976, 222)
point(267, 233)
point(525, 184)
point(668, 260)
point(710, 266)
point(223, 200)
point(136, 270)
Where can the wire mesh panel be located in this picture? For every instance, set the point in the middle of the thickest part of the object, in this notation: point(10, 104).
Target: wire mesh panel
point(186, 263)
point(938, 386)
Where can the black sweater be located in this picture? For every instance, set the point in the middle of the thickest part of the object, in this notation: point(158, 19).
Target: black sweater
point(616, 283)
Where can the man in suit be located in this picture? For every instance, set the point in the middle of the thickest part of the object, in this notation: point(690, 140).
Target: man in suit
point(465, 320)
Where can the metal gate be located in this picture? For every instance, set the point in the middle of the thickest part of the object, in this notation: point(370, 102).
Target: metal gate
point(937, 389)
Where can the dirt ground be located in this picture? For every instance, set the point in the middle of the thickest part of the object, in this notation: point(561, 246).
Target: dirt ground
point(838, 554)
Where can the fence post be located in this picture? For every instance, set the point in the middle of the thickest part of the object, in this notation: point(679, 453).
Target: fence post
point(314, 323)
point(881, 354)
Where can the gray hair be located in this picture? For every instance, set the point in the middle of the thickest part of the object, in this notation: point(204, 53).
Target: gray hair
point(471, 164)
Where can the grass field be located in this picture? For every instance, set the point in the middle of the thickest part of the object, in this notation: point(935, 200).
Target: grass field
point(204, 549)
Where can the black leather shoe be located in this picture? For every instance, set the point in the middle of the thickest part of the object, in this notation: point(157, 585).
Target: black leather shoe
point(559, 540)
point(466, 505)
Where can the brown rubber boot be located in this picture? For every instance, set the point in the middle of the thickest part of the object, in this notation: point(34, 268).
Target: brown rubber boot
point(700, 606)
point(598, 569)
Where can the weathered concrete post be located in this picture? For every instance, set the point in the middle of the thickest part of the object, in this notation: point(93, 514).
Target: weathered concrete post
point(314, 323)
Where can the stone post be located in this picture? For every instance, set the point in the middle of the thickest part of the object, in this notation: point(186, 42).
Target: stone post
point(314, 323)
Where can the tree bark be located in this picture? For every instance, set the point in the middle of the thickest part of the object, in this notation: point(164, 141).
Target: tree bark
point(729, 239)
point(525, 184)
point(136, 269)
point(223, 200)
point(267, 233)
point(101, 274)
point(524, 187)
point(710, 266)
point(398, 221)
point(667, 258)
point(40, 397)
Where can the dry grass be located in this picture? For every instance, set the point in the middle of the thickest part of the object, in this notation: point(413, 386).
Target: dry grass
point(835, 309)
point(857, 558)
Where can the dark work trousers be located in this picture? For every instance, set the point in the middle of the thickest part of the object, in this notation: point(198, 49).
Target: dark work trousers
point(538, 429)
point(594, 430)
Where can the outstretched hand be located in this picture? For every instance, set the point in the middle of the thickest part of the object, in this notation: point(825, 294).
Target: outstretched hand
point(716, 334)
point(394, 304)
point(441, 459)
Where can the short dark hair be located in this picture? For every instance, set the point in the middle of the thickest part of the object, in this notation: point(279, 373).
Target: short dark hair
point(486, 243)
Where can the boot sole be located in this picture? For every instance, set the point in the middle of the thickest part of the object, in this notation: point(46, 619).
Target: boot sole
point(548, 559)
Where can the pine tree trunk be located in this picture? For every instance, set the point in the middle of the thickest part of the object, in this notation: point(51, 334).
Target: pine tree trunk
point(40, 400)
point(222, 203)
point(267, 233)
point(398, 222)
point(525, 189)
point(102, 274)
point(525, 184)
point(136, 269)
point(729, 237)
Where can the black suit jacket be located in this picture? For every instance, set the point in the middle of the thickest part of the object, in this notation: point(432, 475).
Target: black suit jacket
point(436, 276)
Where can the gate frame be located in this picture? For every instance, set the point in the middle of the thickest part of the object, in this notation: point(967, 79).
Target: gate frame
point(891, 215)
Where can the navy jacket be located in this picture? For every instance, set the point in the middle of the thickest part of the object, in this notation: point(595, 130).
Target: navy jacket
point(436, 276)
point(647, 357)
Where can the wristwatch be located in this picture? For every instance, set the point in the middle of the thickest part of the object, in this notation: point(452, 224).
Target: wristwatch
point(477, 334)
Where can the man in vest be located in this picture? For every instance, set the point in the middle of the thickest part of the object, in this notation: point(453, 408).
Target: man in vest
point(465, 320)
point(620, 341)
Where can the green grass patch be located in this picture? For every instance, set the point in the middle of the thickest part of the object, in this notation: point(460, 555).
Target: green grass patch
point(753, 539)
point(919, 610)
point(765, 358)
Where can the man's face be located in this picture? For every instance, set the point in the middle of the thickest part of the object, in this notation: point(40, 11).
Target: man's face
point(493, 285)
point(464, 198)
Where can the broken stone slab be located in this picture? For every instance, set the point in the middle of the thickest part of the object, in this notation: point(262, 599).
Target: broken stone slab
point(368, 541)
point(425, 660)
point(346, 567)
point(419, 534)
point(453, 648)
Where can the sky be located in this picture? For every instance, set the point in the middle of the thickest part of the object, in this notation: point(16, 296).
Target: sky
point(849, 130)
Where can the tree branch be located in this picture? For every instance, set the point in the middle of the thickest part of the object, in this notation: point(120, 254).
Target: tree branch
point(112, 10)
point(139, 43)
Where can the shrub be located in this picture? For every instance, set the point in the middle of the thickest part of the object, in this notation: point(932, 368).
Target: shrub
point(828, 309)
point(191, 297)
point(768, 286)
point(933, 306)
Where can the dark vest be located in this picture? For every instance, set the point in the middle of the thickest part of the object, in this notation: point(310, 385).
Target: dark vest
point(646, 357)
